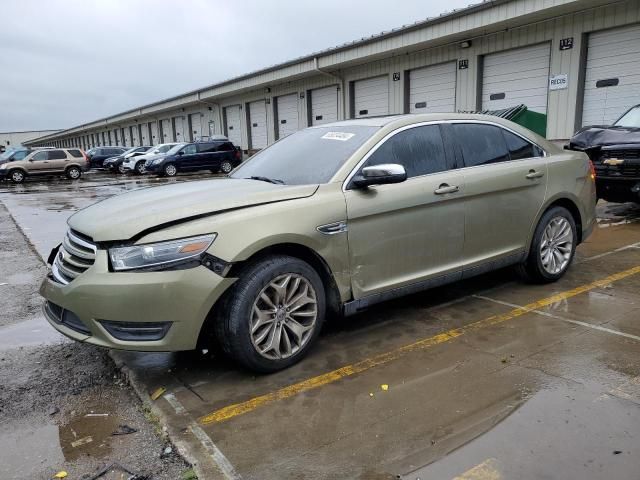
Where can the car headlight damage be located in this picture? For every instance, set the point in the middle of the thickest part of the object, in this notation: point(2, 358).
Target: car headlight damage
point(163, 253)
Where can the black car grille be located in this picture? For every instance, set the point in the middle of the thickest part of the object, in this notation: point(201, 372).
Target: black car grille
point(74, 257)
point(628, 168)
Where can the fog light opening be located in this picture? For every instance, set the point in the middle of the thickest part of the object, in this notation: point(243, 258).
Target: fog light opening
point(136, 331)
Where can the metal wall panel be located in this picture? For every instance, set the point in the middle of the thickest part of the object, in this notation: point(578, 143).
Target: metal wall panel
point(258, 124)
point(145, 138)
point(324, 105)
point(166, 131)
point(179, 129)
point(287, 118)
point(612, 77)
point(371, 97)
point(514, 77)
point(433, 89)
point(196, 126)
point(155, 136)
point(135, 136)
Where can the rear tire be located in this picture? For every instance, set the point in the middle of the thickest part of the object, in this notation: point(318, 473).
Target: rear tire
point(169, 170)
point(552, 249)
point(266, 335)
point(73, 173)
point(226, 167)
point(17, 176)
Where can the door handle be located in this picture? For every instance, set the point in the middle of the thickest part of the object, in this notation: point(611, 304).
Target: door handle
point(446, 188)
point(533, 174)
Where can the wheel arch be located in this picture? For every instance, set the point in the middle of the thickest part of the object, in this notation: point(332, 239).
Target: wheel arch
point(565, 201)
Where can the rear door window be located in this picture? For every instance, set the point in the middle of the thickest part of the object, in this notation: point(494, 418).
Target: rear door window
point(481, 144)
point(76, 153)
point(420, 150)
point(519, 147)
point(57, 155)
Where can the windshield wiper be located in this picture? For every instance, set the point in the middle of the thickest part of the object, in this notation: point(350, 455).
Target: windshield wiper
point(266, 179)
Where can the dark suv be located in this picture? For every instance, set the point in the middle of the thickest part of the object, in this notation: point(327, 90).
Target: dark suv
point(98, 155)
point(216, 156)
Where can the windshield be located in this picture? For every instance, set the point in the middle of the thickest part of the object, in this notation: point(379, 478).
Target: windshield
point(310, 156)
point(175, 148)
point(630, 119)
point(131, 150)
point(12, 152)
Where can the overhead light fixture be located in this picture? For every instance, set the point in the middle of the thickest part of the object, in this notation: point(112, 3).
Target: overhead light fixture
point(465, 44)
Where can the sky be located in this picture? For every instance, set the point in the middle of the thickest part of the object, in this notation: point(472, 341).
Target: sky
point(67, 62)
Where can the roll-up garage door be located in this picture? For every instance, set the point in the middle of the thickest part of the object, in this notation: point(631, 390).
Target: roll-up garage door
point(258, 124)
point(287, 114)
point(178, 123)
point(145, 139)
point(371, 97)
point(612, 77)
point(196, 126)
point(155, 138)
point(166, 134)
point(324, 105)
point(433, 89)
point(135, 136)
point(515, 77)
point(233, 125)
point(115, 137)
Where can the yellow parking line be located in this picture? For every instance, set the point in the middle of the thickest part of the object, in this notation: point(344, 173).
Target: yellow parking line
point(236, 409)
point(487, 470)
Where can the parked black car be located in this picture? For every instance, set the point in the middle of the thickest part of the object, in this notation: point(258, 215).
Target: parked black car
point(216, 156)
point(98, 155)
point(115, 163)
point(615, 153)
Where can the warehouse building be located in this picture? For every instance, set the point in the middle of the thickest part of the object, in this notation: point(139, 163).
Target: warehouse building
point(15, 139)
point(575, 61)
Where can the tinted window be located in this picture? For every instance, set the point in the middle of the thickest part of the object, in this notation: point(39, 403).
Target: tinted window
point(76, 153)
point(39, 156)
point(419, 150)
point(226, 147)
point(207, 147)
point(519, 147)
point(189, 149)
point(57, 155)
point(481, 144)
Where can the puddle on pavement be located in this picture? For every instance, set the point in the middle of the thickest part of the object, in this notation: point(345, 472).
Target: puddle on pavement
point(35, 331)
point(31, 450)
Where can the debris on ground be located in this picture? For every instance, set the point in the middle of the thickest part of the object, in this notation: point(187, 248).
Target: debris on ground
point(54, 410)
point(158, 393)
point(189, 475)
point(166, 452)
point(384, 387)
point(117, 468)
point(61, 474)
point(82, 441)
point(124, 430)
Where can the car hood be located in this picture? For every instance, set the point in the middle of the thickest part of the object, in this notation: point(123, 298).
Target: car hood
point(131, 214)
point(149, 156)
point(601, 135)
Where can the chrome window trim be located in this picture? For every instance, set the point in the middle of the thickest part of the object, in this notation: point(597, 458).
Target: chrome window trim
point(440, 122)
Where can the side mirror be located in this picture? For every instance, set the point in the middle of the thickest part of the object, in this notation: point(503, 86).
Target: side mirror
point(380, 175)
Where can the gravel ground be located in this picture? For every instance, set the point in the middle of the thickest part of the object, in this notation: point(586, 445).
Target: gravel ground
point(61, 402)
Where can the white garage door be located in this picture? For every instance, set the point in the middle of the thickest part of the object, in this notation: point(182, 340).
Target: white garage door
point(324, 105)
point(145, 139)
point(287, 106)
point(166, 134)
point(196, 126)
point(433, 89)
point(234, 126)
point(371, 97)
point(612, 78)
point(516, 77)
point(155, 138)
point(258, 124)
point(179, 125)
point(135, 136)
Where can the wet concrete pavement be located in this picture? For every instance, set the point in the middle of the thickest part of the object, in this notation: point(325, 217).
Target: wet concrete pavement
point(457, 382)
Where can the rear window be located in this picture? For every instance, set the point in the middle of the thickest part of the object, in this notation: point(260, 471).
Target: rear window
point(519, 147)
point(57, 155)
point(76, 153)
point(227, 147)
point(207, 147)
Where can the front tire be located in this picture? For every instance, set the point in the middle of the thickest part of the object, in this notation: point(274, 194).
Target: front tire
point(553, 247)
point(73, 173)
point(139, 168)
point(169, 170)
point(273, 315)
point(17, 176)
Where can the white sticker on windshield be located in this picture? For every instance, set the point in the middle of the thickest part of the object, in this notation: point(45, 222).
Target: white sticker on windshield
point(342, 136)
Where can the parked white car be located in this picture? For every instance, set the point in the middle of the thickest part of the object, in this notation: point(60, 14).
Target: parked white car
point(136, 164)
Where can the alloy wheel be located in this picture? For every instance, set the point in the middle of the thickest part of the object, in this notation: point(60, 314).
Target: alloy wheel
point(283, 316)
point(556, 246)
point(226, 167)
point(74, 173)
point(17, 176)
point(170, 170)
point(140, 168)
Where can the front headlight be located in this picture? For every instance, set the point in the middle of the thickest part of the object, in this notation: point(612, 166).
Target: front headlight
point(156, 161)
point(164, 253)
point(3, 166)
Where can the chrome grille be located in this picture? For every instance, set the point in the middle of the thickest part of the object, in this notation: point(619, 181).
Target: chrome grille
point(74, 257)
